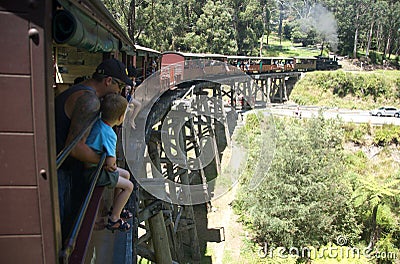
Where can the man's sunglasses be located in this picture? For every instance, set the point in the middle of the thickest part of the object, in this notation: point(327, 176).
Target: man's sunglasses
point(120, 83)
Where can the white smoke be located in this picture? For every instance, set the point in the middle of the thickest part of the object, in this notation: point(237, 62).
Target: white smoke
point(324, 23)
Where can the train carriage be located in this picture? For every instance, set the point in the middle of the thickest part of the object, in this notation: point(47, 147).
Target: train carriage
point(254, 65)
point(305, 63)
point(177, 66)
point(50, 45)
point(276, 64)
point(27, 184)
point(147, 62)
point(238, 61)
point(46, 46)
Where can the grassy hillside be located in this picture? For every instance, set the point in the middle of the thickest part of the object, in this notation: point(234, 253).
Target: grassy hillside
point(285, 48)
point(352, 90)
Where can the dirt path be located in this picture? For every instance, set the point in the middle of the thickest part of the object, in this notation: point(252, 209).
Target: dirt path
point(223, 238)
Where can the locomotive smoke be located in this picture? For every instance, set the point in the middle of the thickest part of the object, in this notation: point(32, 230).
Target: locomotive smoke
point(324, 23)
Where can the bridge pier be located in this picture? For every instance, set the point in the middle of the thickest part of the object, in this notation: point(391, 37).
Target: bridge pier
point(274, 87)
point(266, 88)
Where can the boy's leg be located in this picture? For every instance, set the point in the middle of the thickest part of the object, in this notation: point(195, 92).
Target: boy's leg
point(123, 173)
point(121, 198)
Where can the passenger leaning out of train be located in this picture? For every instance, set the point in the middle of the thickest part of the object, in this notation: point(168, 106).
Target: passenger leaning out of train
point(102, 138)
point(75, 108)
point(130, 96)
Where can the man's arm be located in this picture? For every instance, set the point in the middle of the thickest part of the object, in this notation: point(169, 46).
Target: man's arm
point(84, 106)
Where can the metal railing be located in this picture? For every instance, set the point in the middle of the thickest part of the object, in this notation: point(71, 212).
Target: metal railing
point(67, 150)
point(71, 240)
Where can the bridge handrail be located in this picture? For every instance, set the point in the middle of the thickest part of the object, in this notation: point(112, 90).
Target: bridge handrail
point(61, 157)
point(67, 150)
point(70, 246)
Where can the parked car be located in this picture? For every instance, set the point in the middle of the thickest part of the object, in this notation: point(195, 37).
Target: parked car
point(385, 111)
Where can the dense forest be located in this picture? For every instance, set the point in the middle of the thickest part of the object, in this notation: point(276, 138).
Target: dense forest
point(243, 27)
point(331, 185)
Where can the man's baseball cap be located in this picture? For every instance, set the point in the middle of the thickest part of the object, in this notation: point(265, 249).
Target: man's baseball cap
point(114, 68)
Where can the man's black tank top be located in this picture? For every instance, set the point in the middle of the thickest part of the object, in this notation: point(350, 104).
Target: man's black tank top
point(63, 122)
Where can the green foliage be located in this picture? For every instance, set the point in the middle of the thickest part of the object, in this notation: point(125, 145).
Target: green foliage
point(165, 24)
point(214, 26)
point(387, 134)
point(151, 29)
point(303, 200)
point(388, 252)
point(356, 162)
point(248, 20)
point(331, 254)
point(313, 183)
point(376, 57)
point(288, 30)
point(247, 135)
point(347, 89)
point(397, 85)
point(357, 132)
point(374, 195)
point(387, 219)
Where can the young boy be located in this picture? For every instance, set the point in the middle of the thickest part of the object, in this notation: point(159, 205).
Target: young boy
point(102, 138)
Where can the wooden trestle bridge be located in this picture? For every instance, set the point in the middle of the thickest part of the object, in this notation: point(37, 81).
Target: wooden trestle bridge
point(175, 154)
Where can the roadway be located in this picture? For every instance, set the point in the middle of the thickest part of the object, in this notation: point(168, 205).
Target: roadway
point(356, 116)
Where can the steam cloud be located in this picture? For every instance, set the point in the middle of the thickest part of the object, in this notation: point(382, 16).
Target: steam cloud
point(324, 23)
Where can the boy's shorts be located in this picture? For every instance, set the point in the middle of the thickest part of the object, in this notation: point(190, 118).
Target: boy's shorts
point(106, 178)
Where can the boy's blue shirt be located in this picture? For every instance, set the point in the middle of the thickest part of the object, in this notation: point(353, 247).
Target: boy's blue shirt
point(102, 138)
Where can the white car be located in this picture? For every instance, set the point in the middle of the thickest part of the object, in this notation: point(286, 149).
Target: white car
point(384, 111)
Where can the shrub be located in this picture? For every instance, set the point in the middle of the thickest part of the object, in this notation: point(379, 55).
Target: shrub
point(376, 57)
point(340, 89)
point(387, 134)
point(356, 133)
point(397, 85)
point(303, 199)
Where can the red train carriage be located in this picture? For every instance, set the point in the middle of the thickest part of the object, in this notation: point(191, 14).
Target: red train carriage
point(175, 68)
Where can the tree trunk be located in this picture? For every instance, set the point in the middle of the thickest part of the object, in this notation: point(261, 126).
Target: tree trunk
point(398, 49)
point(378, 38)
point(388, 43)
point(355, 37)
point(355, 43)
point(262, 36)
point(370, 38)
point(261, 43)
point(374, 237)
point(280, 23)
point(131, 20)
